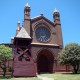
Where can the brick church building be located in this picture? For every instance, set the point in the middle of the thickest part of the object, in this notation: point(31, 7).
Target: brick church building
point(37, 44)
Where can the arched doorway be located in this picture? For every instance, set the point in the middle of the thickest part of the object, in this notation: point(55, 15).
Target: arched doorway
point(45, 61)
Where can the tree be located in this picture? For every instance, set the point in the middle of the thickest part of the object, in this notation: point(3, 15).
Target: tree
point(5, 54)
point(70, 54)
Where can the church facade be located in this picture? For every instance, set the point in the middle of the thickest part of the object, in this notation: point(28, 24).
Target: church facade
point(37, 44)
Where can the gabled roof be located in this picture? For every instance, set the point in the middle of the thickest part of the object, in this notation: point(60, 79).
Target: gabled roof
point(23, 34)
point(41, 17)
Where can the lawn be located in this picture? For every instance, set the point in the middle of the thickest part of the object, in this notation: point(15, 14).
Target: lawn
point(21, 79)
point(56, 76)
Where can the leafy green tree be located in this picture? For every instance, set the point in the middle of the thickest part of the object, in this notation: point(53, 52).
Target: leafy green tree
point(5, 55)
point(70, 54)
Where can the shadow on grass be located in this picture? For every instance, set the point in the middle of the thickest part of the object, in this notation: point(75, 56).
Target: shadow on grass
point(44, 73)
point(6, 77)
point(60, 73)
point(70, 73)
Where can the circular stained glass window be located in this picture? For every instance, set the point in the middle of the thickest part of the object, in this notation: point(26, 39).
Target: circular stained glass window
point(42, 34)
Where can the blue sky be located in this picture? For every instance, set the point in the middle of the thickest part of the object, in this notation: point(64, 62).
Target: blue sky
point(13, 10)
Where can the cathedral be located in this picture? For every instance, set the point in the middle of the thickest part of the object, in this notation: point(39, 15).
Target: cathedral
point(37, 44)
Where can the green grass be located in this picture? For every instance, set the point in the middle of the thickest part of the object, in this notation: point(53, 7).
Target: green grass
point(32, 78)
point(26, 79)
point(56, 76)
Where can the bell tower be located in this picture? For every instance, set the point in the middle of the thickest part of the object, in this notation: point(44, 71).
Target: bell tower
point(57, 25)
point(27, 18)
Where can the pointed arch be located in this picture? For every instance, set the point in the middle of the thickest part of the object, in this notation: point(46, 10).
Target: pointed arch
point(45, 61)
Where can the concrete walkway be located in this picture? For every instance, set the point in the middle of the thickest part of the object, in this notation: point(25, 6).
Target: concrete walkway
point(44, 78)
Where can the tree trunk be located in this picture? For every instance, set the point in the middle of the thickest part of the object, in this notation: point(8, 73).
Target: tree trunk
point(76, 68)
point(4, 70)
point(75, 71)
point(3, 66)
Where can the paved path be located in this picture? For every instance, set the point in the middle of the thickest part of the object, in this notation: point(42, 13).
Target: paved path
point(44, 78)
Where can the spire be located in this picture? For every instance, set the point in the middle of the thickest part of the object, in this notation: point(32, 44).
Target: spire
point(55, 10)
point(56, 13)
point(27, 5)
point(41, 14)
point(18, 22)
point(18, 28)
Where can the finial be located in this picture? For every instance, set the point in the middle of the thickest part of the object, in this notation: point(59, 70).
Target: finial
point(27, 5)
point(41, 14)
point(18, 22)
point(3, 42)
point(12, 37)
point(55, 10)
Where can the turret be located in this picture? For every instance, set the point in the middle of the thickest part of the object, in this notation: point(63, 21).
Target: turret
point(27, 18)
point(18, 28)
point(57, 25)
point(27, 12)
point(56, 16)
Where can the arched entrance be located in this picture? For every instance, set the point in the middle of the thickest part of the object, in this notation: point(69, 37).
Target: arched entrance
point(45, 61)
